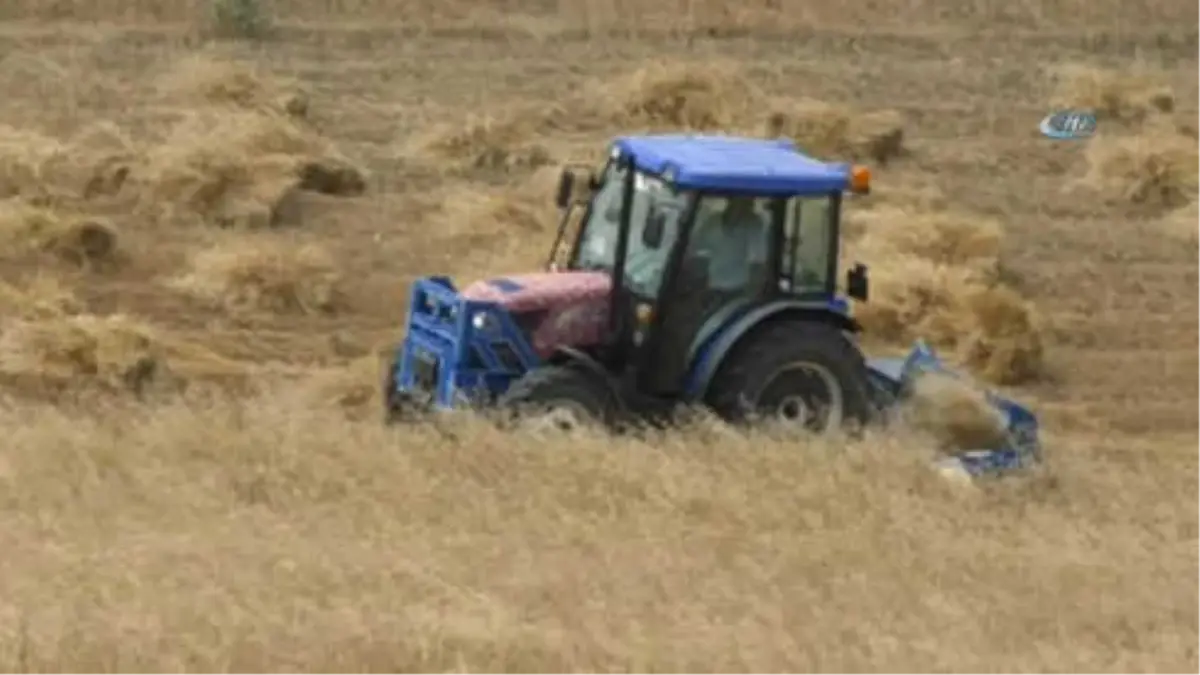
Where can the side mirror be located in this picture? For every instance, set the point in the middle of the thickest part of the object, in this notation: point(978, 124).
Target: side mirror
point(652, 233)
point(566, 186)
point(857, 282)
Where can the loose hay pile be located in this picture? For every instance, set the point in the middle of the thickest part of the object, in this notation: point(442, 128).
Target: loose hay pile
point(1155, 169)
point(710, 97)
point(529, 206)
point(719, 97)
point(234, 170)
point(664, 96)
point(353, 388)
point(112, 352)
point(240, 156)
point(493, 230)
point(953, 411)
point(1149, 159)
point(499, 144)
point(203, 79)
point(838, 132)
point(937, 276)
point(49, 189)
point(240, 169)
point(1128, 97)
point(43, 297)
point(73, 238)
point(52, 172)
point(1184, 223)
point(269, 275)
point(51, 346)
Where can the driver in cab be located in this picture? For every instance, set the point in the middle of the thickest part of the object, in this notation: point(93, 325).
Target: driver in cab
point(735, 243)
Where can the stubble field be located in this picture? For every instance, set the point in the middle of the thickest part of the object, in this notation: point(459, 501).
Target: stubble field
point(207, 249)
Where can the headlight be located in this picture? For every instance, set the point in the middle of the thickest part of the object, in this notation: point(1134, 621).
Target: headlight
point(644, 314)
point(481, 321)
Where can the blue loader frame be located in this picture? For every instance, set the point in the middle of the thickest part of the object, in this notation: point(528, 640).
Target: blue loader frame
point(446, 352)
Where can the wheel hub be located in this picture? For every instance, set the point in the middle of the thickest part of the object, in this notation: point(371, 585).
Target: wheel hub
point(804, 395)
point(560, 416)
point(793, 409)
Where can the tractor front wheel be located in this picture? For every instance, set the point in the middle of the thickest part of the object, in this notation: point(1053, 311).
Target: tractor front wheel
point(559, 397)
point(396, 407)
point(800, 373)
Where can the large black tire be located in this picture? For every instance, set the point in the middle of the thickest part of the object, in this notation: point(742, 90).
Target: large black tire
point(565, 396)
point(800, 372)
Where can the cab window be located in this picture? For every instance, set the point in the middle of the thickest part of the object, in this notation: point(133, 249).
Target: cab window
point(808, 244)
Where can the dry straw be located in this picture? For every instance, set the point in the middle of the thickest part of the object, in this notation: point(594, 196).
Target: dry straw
point(1129, 96)
point(937, 276)
point(265, 274)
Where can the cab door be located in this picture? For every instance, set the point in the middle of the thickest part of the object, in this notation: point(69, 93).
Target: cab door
point(722, 265)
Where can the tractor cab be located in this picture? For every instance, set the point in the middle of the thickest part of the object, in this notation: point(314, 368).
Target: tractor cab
point(697, 231)
point(690, 253)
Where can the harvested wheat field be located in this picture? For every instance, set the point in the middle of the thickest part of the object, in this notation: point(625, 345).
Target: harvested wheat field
point(210, 219)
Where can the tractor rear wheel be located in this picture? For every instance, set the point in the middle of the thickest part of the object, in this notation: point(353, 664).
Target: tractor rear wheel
point(801, 373)
point(559, 397)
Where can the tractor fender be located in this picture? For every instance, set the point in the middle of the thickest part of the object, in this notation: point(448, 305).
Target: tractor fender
point(715, 342)
point(570, 356)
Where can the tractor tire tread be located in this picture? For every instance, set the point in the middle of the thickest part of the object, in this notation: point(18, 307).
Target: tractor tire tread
point(552, 382)
point(760, 354)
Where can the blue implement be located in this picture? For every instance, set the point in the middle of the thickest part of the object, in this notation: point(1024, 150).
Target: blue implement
point(1021, 447)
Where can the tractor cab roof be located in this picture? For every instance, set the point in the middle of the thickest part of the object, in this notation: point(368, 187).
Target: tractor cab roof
point(734, 164)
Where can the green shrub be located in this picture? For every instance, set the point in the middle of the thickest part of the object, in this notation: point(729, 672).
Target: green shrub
point(240, 18)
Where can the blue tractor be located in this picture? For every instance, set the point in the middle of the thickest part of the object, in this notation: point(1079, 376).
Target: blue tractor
point(704, 272)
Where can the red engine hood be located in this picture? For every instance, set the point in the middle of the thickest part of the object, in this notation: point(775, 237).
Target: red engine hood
point(522, 293)
point(574, 305)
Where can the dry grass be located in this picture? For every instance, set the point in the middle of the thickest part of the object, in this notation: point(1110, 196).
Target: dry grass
point(206, 79)
point(1154, 169)
point(720, 96)
point(488, 143)
point(51, 172)
point(1128, 96)
point(838, 132)
point(241, 170)
point(114, 352)
point(51, 344)
point(323, 545)
point(43, 297)
point(1184, 223)
point(602, 18)
point(955, 412)
point(265, 275)
point(938, 277)
point(709, 95)
point(498, 230)
point(219, 528)
point(76, 239)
